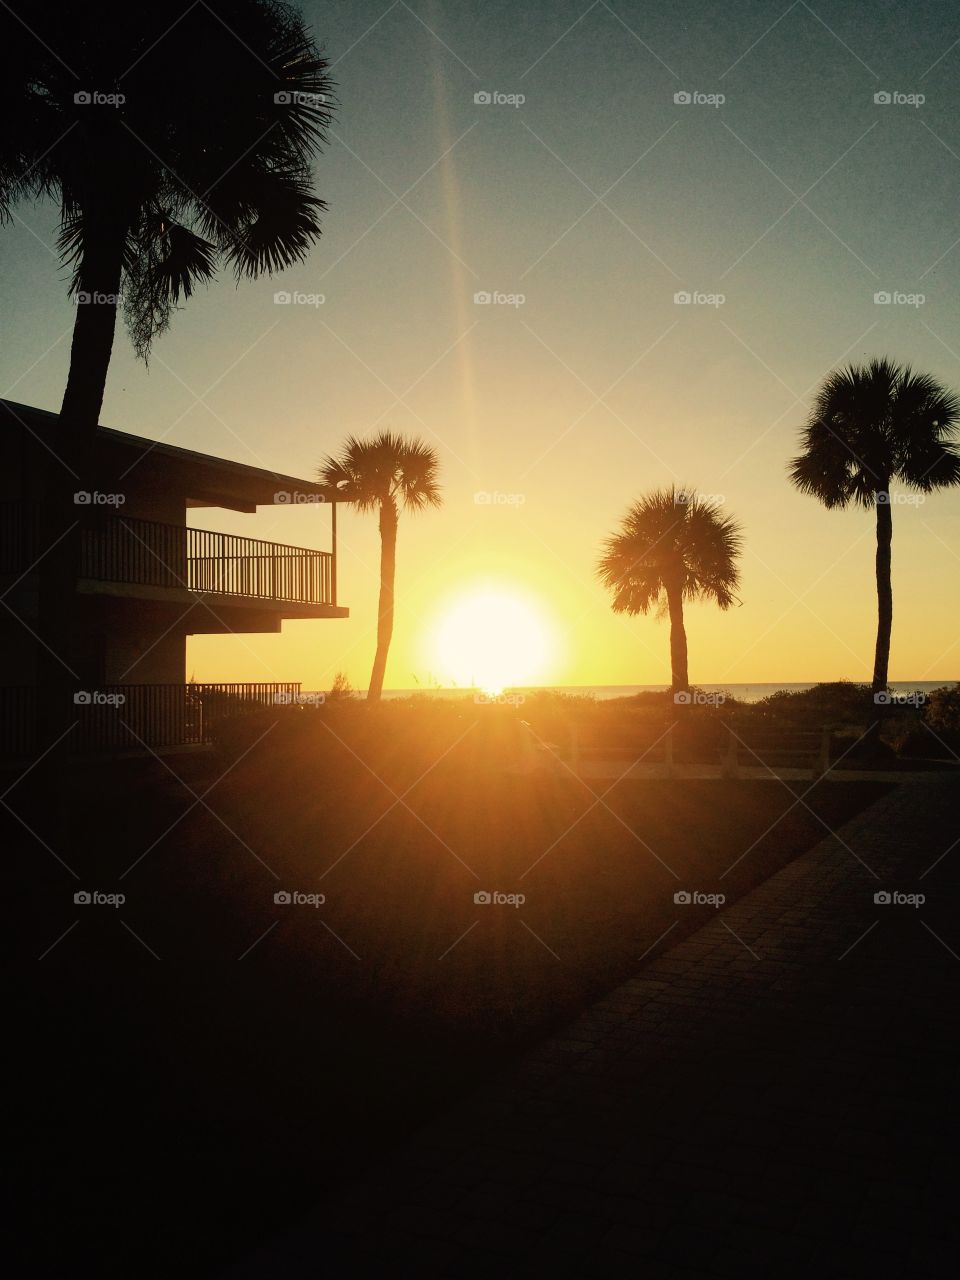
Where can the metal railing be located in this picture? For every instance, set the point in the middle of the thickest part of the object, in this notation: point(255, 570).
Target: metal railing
point(125, 549)
point(136, 717)
point(120, 548)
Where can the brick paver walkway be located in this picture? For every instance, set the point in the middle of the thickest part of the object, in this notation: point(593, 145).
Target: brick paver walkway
point(773, 1096)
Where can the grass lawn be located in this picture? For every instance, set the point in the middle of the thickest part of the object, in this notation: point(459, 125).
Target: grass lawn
point(186, 1103)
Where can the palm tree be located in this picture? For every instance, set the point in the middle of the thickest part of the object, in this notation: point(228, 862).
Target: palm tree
point(172, 138)
point(170, 143)
point(384, 474)
point(870, 425)
point(672, 546)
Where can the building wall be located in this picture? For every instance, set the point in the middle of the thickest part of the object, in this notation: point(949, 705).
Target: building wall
point(18, 654)
point(141, 642)
point(148, 493)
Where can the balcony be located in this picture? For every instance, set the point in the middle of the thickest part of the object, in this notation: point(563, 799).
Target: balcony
point(127, 551)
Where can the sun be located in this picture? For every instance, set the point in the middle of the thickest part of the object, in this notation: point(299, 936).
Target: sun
point(490, 638)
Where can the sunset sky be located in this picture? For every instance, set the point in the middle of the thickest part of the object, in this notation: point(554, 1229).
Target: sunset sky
point(797, 199)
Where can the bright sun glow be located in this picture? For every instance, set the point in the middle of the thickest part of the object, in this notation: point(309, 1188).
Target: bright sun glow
point(490, 639)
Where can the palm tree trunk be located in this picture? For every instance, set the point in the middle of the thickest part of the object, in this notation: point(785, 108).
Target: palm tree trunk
point(884, 592)
point(388, 571)
point(62, 519)
point(94, 329)
point(679, 677)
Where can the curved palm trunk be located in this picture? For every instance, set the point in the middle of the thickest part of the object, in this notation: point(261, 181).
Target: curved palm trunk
point(881, 659)
point(62, 520)
point(94, 329)
point(388, 571)
point(679, 677)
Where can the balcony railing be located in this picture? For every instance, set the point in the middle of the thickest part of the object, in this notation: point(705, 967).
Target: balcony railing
point(134, 717)
point(146, 552)
point(119, 548)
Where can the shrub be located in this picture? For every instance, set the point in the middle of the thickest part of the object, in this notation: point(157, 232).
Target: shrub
point(941, 715)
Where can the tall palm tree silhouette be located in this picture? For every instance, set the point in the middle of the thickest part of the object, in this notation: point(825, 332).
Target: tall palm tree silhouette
point(172, 138)
point(870, 425)
point(672, 546)
point(386, 474)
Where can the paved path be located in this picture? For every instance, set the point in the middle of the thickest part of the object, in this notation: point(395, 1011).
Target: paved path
point(773, 1096)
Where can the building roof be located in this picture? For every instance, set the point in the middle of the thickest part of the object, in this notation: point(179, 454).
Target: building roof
point(206, 481)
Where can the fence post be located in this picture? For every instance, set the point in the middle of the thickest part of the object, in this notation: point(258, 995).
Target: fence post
point(574, 749)
point(333, 552)
point(822, 763)
point(668, 752)
point(731, 762)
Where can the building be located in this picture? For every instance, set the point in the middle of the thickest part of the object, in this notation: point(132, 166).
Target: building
point(147, 580)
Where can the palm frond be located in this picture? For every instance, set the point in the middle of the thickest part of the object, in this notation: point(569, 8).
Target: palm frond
point(386, 467)
point(874, 423)
point(304, 96)
point(31, 125)
point(714, 541)
point(70, 246)
point(671, 537)
point(165, 262)
point(824, 469)
point(267, 224)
